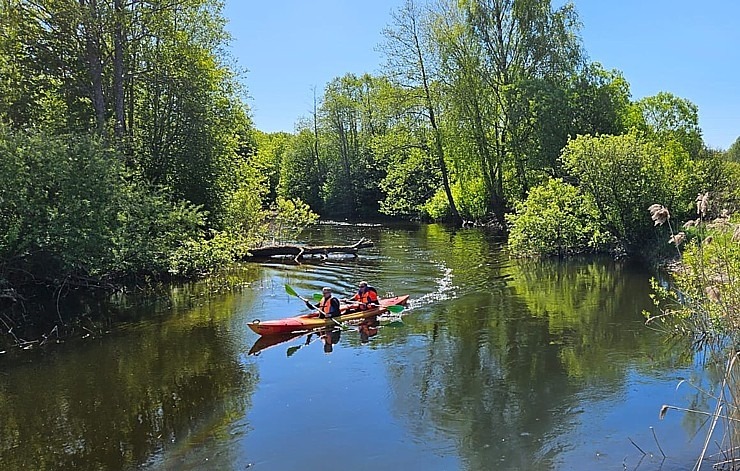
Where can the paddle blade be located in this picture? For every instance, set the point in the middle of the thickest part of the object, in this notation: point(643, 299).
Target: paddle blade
point(317, 296)
point(293, 349)
point(290, 290)
point(395, 309)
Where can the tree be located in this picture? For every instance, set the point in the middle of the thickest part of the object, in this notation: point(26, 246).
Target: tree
point(299, 175)
point(666, 117)
point(623, 175)
point(733, 153)
point(499, 57)
point(521, 42)
point(411, 64)
point(556, 219)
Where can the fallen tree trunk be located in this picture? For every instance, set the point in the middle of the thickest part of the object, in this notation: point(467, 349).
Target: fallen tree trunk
point(299, 251)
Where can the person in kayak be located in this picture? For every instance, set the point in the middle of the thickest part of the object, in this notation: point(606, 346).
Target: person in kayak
point(328, 306)
point(366, 297)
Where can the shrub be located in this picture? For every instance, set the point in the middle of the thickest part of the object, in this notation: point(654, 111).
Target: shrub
point(70, 209)
point(555, 219)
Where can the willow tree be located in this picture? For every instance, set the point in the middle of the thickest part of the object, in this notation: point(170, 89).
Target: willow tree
point(500, 57)
point(413, 64)
point(470, 109)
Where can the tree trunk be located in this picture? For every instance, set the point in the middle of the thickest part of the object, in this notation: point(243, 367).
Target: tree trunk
point(92, 46)
point(118, 71)
point(439, 150)
point(298, 251)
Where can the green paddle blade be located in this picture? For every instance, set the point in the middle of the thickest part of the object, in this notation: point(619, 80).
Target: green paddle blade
point(290, 290)
point(293, 349)
point(395, 309)
point(317, 296)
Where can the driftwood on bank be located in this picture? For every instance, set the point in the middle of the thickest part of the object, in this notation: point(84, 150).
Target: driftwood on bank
point(299, 251)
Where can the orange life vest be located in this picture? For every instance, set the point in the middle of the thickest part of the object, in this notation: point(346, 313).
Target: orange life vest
point(369, 296)
point(325, 305)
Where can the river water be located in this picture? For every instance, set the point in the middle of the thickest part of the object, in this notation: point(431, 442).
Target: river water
point(495, 364)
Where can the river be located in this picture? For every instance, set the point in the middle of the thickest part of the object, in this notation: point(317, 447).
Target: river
point(495, 364)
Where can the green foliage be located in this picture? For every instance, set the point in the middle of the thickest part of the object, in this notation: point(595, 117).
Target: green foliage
point(152, 78)
point(623, 175)
point(349, 172)
point(244, 215)
point(57, 197)
point(667, 118)
point(152, 229)
point(471, 199)
point(733, 153)
point(192, 122)
point(299, 171)
point(69, 209)
point(411, 179)
point(556, 219)
point(728, 186)
point(197, 257)
point(437, 207)
point(289, 219)
point(270, 153)
point(626, 174)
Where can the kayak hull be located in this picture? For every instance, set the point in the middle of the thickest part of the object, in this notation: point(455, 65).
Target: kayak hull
point(312, 321)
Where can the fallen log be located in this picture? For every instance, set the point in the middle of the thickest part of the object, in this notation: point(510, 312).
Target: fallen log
point(299, 251)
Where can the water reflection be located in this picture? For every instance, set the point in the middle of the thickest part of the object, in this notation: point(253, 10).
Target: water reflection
point(503, 369)
point(497, 364)
point(127, 398)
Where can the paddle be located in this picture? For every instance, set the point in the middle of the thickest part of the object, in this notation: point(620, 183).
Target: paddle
point(309, 341)
point(394, 308)
point(292, 292)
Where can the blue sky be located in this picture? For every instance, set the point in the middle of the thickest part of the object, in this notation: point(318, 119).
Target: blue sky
point(688, 48)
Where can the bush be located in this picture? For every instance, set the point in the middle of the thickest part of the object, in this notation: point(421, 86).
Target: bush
point(70, 209)
point(556, 219)
point(623, 175)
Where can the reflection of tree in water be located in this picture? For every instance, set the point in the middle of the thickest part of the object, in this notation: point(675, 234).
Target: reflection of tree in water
point(117, 403)
point(499, 369)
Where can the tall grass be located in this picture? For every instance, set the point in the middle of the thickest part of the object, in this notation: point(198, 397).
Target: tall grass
point(703, 301)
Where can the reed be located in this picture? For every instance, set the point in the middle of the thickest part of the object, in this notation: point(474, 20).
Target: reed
point(703, 301)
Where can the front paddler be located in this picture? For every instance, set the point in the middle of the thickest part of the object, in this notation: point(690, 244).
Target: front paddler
point(328, 306)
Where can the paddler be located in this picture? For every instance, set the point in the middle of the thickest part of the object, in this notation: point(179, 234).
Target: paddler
point(366, 296)
point(328, 306)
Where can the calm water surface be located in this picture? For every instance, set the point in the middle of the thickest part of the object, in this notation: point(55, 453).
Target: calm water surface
point(496, 364)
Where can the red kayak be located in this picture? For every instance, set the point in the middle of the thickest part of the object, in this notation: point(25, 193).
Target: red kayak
point(313, 321)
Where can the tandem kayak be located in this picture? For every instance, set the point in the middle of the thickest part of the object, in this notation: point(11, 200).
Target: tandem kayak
point(313, 321)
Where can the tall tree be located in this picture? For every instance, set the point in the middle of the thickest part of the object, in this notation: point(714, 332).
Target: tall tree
point(412, 64)
point(513, 48)
point(92, 35)
point(733, 153)
point(349, 124)
point(118, 69)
